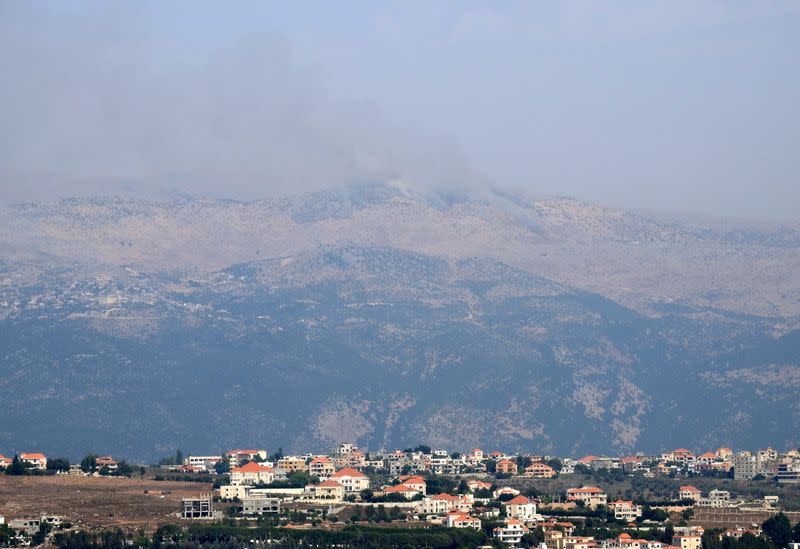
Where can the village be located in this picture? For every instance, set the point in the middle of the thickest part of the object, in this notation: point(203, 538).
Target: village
point(507, 499)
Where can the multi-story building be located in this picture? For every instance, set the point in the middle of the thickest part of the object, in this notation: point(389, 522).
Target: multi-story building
point(197, 508)
point(716, 498)
point(511, 532)
point(521, 508)
point(689, 492)
point(204, 463)
point(591, 496)
point(252, 473)
point(625, 510)
point(37, 461)
point(352, 480)
point(789, 472)
point(745, 466)
point(321, 467)
point(292, 464)
point(687, 542)
point(506, 467)
point(539, 470)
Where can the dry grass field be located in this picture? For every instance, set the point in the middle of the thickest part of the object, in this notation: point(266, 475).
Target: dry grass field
point(93, 502)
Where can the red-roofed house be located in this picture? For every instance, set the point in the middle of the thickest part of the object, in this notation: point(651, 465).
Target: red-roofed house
point(506, 467)
point(37, 461)
point(252, 473)
point(416, 482)
point(591, 496)
point(106, 461)
point(4, 461)
point(625, 510)
point(521, 508)
point(406, 491)
point(539, 470)
point(475, 455)
point(454, 519)
point(352, 480)
point(689, 492)
point(237, 456)
point(475, 484)
point(321, 467)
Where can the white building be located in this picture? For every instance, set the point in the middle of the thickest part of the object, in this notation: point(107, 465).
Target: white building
point(511, 532)
point(352, 480)
point(252, 473)
point(521, 508)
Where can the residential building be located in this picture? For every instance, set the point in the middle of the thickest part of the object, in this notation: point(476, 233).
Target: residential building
point(292, 464)
point(260, 506)
point(328, 490)
point(4, 461)
point(716, 498)
point(106, 461)
point(506, 467)
point(321, 467)
point(474, 484)
point(37, 461)
point(689, 492)
point(238, 456)
point(511, 532)
point(252, 473)
point(454, 519)
point(406, 491)
point(204, 463)
point(352, 480)
point(789, 472)
point(745, 466)
point(591, 496)
point(539, 470)
point(625, 510)
point(521, 508)
point(415, 482)
point(687, 542)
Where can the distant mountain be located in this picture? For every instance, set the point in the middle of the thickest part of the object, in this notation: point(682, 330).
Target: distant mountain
point(390, 317)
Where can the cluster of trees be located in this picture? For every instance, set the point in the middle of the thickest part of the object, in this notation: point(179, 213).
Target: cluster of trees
point(378, 513)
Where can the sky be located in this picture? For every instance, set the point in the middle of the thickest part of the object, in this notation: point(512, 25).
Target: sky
point(674, 105)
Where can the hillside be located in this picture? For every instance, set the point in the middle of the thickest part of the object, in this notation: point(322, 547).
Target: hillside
point(390, 318)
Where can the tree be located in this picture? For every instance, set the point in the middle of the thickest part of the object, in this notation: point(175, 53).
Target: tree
point(222, 466)
point(779, 530)
point(178, 457)
point(711, 539)
point(40, 536)
point(423, 449)
point(89, 463)
point(796, 533)
point(58, 464)
point(555, 463)
point(17, 467)
point(277, 456)
point(669, 533)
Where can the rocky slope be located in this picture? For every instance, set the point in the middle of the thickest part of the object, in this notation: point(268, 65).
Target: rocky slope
point(387, 317)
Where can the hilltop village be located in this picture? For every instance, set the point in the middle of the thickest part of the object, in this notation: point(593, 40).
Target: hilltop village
point(673, 499)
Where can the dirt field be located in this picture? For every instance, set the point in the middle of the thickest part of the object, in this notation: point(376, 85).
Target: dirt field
point(91, 502)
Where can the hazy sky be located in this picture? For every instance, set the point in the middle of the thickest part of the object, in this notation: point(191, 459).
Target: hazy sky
point(676, 105)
